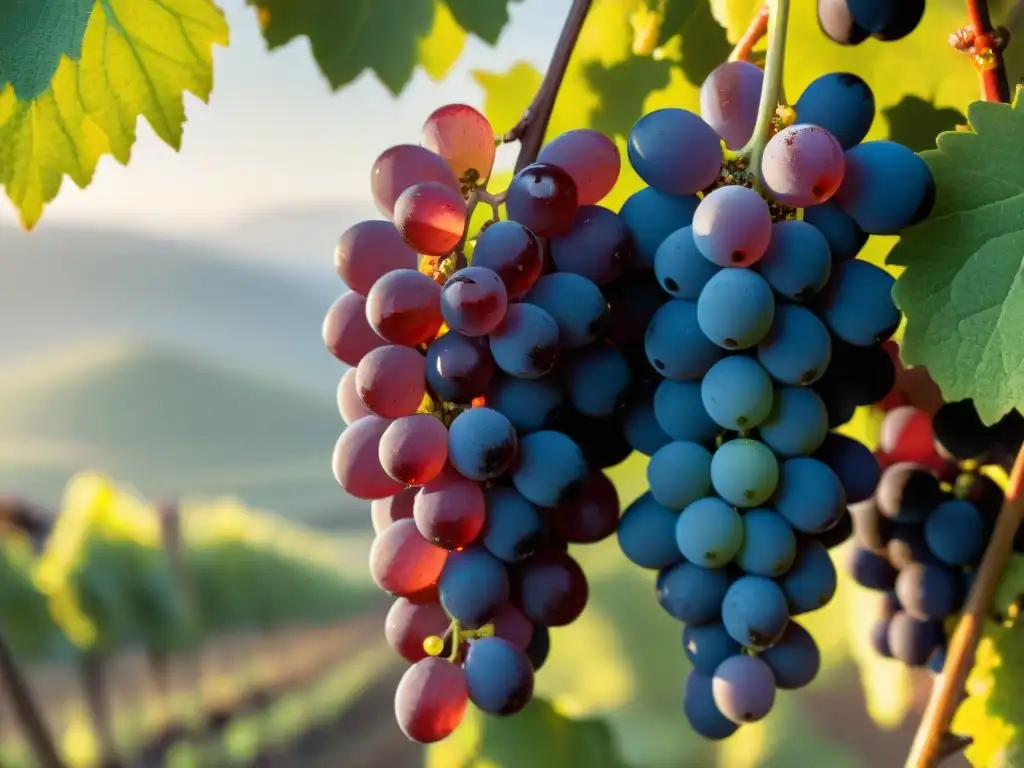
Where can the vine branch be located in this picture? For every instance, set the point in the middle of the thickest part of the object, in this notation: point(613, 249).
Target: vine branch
point(757, 29)
point(931, 737)
point(530, 130)
point(32, 722)
point(985, 45)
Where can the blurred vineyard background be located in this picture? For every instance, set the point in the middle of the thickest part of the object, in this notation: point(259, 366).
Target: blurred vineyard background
point(188, 362)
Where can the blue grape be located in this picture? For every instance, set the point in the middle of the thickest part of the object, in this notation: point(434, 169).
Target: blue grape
point(499, 676)
point(744, 688)
point(458, 368)
point(769, 544)
point(709, 533)
point(735, 308)
point(906, 545)
point(597, 246)
point(632, 303)
point(845, 239)
point(681, 269)
point(575, 304)
point(838, 534)
point(551, 588)
point(956, 533)
point(539, 647)
point(812, 580)
point(526, 343)
point(481, 444)
point(929, 591)
point(680, 411)
point(737, 393)
point(473, 586)
point(937, 661)
point(797, 349)
point(841, 103)
point(641, 427)
point(729, 99)
point(886, 187)
point(551, 469)
point(907, 493)
point(795, 659)
point(691, 594)
point(732, 226)
point(513, 529)
point(913, 641)
point(679, 474)
point(871, 570)
point(798, 423)
point(675, 344)
point(647, 534)
point(530, 404)
point(798, 261)
point(701, 711)
point(744, 472)
point(675, 151)
point(854, 464)
point(596, 378)
point(651, 216)
point(809, 495)
point(857, 303)
point(878, 636)
point(602, 440)
point(754, 612)
point(708, 645)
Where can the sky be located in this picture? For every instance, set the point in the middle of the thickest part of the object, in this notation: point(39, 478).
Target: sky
point(275, 135)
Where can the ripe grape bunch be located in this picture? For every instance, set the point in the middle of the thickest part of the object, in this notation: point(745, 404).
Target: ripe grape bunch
point(920, 538)
point(706, 324)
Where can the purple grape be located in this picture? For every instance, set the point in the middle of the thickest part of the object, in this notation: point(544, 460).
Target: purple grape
point(732, 227)
point(729, 100)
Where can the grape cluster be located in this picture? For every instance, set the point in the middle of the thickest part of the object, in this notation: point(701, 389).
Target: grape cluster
point(851, 22)
point(478, 405)
point(920, 538)
point(772, 336)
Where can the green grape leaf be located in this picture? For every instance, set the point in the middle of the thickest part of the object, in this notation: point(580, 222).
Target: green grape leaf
point(947, 82)
point(389, 37)
point(539, 736)
point(963, 288)
point(993, 712)
point(137, 58)
point(33, 37)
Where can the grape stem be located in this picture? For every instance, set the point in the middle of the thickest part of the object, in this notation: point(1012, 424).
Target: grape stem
point(25, 708)
point(757, 29)
point(771, 90)
point(985, 45)
point(530, 129)
point(932, 734)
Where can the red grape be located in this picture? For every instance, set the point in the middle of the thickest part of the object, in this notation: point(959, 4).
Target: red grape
point(510, 624)
point(407, 625)
point(404, 166)
point(542, 198)
point(552, 589)
point(349, 404)
point(906, 435)
point(473, 301)
point(464, 139)
point(450, 510)
point(383, 512)
point(402, 562)
point(514, 252)
point(356, 466)
point(347, 334)
point(431, 700)
point(368, 251)
point(590, 158)
point(803, 165)
point(431, 217)
point(414, 449)
point(404, 307)
point(391, 381)
point(459, 368)
point(592, 517)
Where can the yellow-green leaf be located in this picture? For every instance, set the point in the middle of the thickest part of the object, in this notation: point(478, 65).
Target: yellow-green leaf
point(138, 57)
